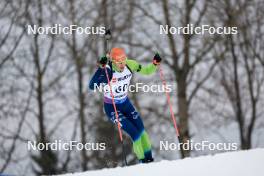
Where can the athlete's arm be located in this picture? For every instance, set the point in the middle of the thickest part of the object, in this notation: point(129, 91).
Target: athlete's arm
point(99, 77)
point(144, 70)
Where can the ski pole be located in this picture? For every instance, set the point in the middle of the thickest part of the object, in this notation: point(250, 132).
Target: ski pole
point(107, 37)
point(169, 102)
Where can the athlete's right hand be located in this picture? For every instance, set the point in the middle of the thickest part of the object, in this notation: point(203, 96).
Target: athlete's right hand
point(103, 61)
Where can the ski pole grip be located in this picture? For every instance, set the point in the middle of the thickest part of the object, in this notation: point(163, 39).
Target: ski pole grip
point(108, 34)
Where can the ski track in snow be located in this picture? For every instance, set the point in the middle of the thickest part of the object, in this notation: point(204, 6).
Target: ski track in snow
point(238, 163)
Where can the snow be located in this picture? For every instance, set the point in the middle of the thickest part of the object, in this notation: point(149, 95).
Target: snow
point(238, 163)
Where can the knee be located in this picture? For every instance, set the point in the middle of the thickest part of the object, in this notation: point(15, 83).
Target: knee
point(137, 135)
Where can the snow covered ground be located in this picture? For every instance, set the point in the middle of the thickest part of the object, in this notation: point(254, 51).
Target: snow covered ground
point(239, 163)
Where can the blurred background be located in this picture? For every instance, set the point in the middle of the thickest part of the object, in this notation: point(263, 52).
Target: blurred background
point(218, 97)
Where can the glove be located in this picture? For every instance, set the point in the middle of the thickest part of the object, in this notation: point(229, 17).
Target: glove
point(102, 61)
point(156, 59)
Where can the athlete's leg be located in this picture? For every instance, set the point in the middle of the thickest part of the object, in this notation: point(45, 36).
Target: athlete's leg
point(134, 117)
point(128, 127)
point(146, 145)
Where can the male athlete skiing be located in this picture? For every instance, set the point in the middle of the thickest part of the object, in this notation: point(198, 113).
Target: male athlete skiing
point(120, 70)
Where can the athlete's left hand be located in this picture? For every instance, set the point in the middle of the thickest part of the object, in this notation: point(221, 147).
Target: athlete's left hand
point(156, 59)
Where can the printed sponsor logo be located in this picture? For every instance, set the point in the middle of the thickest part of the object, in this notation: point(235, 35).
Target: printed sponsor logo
point(124, 77)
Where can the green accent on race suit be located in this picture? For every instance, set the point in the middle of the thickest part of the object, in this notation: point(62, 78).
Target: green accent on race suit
point(134, 66)
point(142, 145)
point(138, 150)
point(145, 141)
point(145, 70)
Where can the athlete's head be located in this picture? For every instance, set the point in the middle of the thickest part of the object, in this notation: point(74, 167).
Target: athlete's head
point(118, 57)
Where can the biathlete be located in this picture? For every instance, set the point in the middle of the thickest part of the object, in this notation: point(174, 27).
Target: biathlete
point(120, 70)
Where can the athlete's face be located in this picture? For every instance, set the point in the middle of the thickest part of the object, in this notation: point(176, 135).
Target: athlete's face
point(120, 65)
